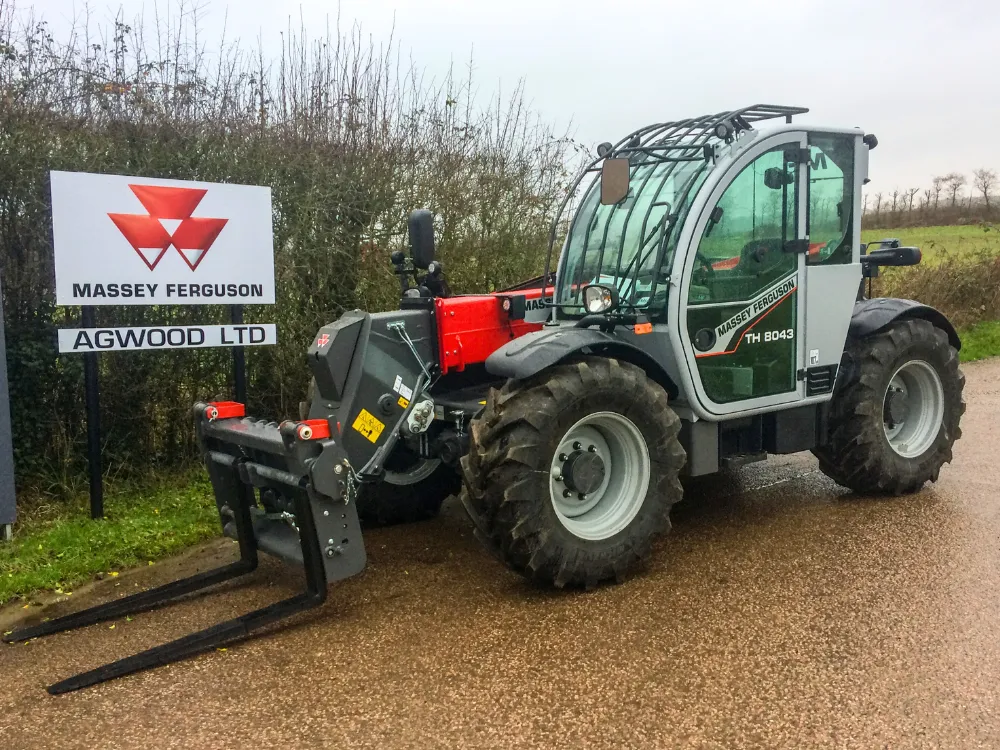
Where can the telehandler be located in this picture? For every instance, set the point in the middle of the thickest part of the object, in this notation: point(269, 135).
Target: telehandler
point(707, 308)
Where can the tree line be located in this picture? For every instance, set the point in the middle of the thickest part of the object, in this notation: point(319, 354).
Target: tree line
point(349, 135)
point(951, 199)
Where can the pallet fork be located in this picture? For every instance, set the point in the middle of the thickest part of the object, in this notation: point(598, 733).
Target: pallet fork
point(240, 455)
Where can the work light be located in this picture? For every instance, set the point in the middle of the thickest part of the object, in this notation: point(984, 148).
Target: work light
point(598, 299)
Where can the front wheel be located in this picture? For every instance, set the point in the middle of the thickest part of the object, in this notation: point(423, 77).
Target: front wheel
point(411, 490)
point(571, 474)
point(896, 411)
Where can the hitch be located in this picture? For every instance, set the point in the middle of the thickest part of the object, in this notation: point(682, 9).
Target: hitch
point(244, 457)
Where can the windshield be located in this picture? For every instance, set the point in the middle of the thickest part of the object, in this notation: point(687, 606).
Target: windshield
point(630, 245)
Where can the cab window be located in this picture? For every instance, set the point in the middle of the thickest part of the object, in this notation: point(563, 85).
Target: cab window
point(831, 198)
point(741, 250)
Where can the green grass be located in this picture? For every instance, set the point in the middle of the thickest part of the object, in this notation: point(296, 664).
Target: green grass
point(141, 525)
point(980, 341)
point(937, 241)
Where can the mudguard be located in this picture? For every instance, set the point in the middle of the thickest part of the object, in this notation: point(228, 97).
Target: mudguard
point(874, 315)
point(533, 352)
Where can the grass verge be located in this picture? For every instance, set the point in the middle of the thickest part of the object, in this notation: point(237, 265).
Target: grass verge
point(980, 341)
point(141, 525)
point(939, 242)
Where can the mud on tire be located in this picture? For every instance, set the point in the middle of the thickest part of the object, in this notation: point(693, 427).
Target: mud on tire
point(859, 455)
point(507, 471)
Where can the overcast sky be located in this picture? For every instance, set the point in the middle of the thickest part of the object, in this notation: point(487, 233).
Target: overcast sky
point(920, 74)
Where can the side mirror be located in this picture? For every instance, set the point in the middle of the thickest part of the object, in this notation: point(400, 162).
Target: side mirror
point(776, 178)
point(892, 256)
point(614, 181)
point(421, 229)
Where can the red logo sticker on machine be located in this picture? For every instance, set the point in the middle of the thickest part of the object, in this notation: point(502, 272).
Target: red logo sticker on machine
point(323, 340)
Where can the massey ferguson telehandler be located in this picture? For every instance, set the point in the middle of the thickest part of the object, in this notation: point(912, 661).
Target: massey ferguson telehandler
point(708, 307)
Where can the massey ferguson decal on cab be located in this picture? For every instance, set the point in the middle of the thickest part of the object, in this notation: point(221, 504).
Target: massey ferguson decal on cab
point(138, 241)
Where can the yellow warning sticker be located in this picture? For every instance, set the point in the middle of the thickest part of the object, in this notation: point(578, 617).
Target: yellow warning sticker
point(403, 402)
point(368, 425)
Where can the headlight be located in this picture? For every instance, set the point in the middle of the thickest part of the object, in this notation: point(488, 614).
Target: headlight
point(598, 299)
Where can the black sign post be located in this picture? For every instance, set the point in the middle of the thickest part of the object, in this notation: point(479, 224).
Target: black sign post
point(92, 398)
point(239, 358)
point(8, 509)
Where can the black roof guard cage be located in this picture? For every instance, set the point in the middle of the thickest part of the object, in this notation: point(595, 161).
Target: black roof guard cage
point(692, 138)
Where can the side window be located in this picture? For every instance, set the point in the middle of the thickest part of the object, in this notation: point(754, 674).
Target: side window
point(741, 251)
point(742, 303)
point(831, 198)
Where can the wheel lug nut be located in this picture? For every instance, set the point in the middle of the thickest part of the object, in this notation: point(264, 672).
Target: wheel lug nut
point(567, 493)
point(592, 449)
point(581, 496)
point(563, 456)
point(577, 445)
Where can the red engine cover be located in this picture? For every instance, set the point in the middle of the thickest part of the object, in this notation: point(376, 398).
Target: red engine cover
point(471, 328)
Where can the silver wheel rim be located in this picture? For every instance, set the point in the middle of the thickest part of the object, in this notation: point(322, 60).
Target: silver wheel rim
point(422, 469)
point(611, 507)
point(922, 413)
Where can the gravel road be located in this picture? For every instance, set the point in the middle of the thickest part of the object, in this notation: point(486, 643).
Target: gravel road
point(780, 612)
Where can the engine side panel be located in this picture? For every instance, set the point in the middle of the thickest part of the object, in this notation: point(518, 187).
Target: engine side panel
point(471, 328)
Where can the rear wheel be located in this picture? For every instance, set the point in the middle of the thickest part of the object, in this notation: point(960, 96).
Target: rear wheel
point(571, 474)
point(412, 489)
point(896, 411)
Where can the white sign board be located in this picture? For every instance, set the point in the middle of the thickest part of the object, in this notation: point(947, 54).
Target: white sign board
point(139, 241)
point(164, 337)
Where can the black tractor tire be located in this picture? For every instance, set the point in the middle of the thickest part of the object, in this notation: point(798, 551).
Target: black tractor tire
point(391, 501)
point(513, 443)
point(387, 504)
point(858, 454)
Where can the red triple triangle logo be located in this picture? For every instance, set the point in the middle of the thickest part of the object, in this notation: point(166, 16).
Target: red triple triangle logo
point(169, 222)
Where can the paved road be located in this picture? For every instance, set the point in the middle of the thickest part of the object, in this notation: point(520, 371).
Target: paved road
point(781, 612)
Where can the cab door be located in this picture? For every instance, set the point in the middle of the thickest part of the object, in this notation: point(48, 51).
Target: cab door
point(741, 313)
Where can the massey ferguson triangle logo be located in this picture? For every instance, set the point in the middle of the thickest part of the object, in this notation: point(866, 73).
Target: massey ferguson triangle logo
point(169, 222)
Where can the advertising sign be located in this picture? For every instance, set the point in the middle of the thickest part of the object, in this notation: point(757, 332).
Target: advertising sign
point(164, 337)
point(139, 241)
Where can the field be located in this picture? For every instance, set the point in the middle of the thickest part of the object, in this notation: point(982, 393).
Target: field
point(959, 275)
point(936, 242)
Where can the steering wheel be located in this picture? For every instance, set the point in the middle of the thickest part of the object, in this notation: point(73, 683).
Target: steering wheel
point(703, 272)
